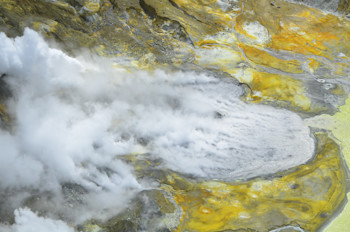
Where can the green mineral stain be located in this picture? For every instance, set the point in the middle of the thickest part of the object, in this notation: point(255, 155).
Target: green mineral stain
point(340, 126)
point(341, 130)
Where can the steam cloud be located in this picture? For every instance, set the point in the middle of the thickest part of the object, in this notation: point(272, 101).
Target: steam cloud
point(73, 117)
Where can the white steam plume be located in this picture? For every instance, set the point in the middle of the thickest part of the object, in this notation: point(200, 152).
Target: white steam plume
point(74, 116)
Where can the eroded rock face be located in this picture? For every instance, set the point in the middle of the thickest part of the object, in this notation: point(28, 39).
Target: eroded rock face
point(283, 54)
point(277, 41)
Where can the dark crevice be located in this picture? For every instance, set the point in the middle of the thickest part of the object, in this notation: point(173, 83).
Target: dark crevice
point(5, 91)
point(114, 4)
point(149, 10)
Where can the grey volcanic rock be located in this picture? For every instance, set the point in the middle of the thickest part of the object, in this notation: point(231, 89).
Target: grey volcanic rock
point(151, 210)
point(328, 5)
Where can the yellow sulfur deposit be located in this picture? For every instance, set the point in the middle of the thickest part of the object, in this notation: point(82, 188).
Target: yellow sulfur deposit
point(260, 57)
point(305, 196)
point(280, 89)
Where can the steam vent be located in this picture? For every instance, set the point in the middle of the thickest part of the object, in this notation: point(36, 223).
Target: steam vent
point(174, 115)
